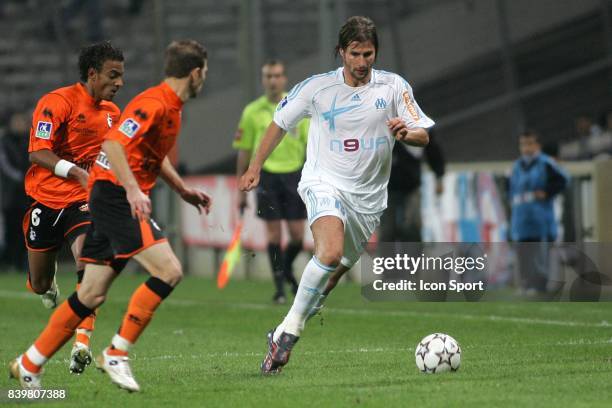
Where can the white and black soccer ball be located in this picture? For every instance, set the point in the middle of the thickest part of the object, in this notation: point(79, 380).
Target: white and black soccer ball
point(438, 353)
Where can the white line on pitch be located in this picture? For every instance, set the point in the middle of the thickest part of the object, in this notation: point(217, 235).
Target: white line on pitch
point(348, 311)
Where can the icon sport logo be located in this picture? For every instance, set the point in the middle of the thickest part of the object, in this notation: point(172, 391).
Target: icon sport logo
point(129, 127)
point(43, 130)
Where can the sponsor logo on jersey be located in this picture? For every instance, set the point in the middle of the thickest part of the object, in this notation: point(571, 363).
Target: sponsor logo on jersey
point(129, 127)
point(43, 130)
point(410, 106)
point(363, 143)
point(380, 104)
point(109, 120)
point(355, 98)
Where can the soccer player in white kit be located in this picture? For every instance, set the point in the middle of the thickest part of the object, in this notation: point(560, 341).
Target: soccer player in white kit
point(357, 113)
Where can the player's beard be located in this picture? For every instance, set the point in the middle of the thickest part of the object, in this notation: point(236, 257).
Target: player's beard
point(194, 89)
point(193, 92)
point(359, 74)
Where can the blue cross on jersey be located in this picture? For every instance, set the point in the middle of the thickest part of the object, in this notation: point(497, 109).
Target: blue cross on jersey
point(331, 114)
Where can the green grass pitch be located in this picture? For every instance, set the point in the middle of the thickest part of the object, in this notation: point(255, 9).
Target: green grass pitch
point(204, 346)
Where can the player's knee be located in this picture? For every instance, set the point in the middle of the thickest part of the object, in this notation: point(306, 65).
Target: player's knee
point(91, 297)
point(173, 274)
point(329, 256)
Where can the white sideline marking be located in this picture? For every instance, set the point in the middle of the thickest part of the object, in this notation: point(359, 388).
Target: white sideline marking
point(366, 312)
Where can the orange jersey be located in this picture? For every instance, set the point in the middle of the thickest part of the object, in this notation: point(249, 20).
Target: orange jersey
point(148, 129)
point(72, 125)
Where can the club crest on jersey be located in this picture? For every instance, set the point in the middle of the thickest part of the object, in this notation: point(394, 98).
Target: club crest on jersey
point(109, 120)
point(102, 161)
point(380, 104)
point(43, 130)
point(129, 127)
point(282, 104)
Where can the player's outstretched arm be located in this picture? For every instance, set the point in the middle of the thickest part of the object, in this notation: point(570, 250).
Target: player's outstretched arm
point(271, 139)
point(61, 168)
point(193, 196)
point(140, 203)
point(413, 137)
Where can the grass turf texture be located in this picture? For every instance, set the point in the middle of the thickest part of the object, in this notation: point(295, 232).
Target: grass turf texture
point(203, 348)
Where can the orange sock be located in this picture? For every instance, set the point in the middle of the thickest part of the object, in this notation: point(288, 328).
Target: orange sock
point(142, 305)
point(59, 330)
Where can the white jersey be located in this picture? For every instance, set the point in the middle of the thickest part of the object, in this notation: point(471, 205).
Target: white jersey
point(349, 144)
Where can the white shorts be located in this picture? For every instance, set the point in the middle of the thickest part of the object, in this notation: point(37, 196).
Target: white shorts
point(322, 200)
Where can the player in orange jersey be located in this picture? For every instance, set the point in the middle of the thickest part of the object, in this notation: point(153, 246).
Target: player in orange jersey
point(133, 155)
point(68, 126)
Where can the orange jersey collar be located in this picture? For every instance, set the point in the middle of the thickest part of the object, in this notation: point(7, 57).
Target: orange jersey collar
point(173, 98)
point(86, 95)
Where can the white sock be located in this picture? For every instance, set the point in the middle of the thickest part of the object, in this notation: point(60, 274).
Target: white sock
point(312, 283)
point(120, 343)
point(36, 356)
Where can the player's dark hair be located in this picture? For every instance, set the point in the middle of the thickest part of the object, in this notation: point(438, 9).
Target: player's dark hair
point(357, 28)
point(94, 56)
point(530, 134)
point(183, 56)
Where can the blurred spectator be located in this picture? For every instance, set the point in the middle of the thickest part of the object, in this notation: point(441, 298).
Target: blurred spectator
point(535, 182)
point(586, 144)
point(602, 146)
point(68, 11)
point(14, 163)
point(401, 221)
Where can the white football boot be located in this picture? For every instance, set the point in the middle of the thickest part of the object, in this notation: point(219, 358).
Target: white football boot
point(118, 369)
point(50, 297)
point(28, 380)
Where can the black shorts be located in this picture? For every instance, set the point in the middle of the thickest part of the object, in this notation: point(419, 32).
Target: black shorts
point(277, 197)
point(115, 236)
point(45, 229)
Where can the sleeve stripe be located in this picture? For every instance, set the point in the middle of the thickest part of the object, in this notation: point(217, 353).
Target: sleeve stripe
point(296, 89)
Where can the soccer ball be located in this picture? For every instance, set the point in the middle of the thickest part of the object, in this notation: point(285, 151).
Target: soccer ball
point(438, 353)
